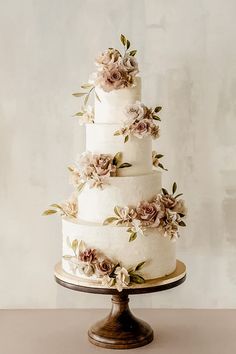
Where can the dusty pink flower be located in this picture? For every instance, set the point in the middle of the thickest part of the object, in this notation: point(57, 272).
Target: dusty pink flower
point(168, 201)
point(114, 77)
point(108, 57)
point(131, 65)
point(103, 165)
point(141, 128)
point(149, 213)
point(105, 267)
point(89, 256)
point(135, 111)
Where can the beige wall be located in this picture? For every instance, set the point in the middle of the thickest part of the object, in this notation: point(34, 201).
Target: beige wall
point(187, 52)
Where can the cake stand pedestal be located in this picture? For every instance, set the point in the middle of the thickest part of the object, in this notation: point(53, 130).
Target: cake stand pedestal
point(121, 329)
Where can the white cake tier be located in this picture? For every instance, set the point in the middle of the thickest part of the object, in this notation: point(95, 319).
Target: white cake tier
point(111, 107)
point(100, 139)
point(113, 241)
point(96, 204)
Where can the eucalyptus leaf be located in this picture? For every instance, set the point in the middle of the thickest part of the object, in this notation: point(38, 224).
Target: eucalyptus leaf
point(123, 39)
point(133, 236)
point(49, 212)
point(125, 164)
point(164, 191)
point(126, 138)
point(132, 52)
point(140, 265)
point(137, 279)
point(174, 187)
point(110, 220)
point(79, 94)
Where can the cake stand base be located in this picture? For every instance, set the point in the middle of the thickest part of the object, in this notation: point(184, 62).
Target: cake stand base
point(120, 330)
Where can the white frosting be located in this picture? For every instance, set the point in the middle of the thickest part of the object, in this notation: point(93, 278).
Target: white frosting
point(96, 205)
point(100, 139)
point(111, 108)
point(158, 251)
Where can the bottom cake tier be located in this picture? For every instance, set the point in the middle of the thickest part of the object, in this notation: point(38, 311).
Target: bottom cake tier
point(91, 250)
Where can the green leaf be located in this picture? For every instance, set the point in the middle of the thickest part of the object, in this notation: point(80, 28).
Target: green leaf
point(132, 53)
point(56, 206)
point(178, 195)
point(125, 164)
point(127, 44)
point(110, 220)
point(133, 236)
point(157, 118)
point(126, 138)
point(67, 257)
point(164, 191)
point(74, 245)
point(182, 223)
point(140, 265)
point(86, 86)
point(117, 132)
point(174, 187)
point(49, 212)
point(181, 215)
point(86, 99)
point(157, 109)
point(80, 187)
point(159, 156)
point(96, 95)
point(161, 166)
point(116, 211)
point(137, 279)
point(123, 39)
point(79, 94)
point(117, 158)
point(78, 114)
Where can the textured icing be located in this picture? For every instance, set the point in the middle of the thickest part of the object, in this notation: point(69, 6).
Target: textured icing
point(113, 241)
point(111, 108)
point(96, 205)
point(138, 152)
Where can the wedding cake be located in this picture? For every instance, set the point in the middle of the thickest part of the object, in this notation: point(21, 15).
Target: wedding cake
point(120, 226)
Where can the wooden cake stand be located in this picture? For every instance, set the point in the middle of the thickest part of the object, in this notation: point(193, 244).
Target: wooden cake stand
point(121, 329)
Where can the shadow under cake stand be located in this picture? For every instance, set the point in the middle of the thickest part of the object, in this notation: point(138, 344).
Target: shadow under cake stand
point(121, 329)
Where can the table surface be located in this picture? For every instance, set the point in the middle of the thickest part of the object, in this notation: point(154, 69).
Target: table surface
point(65, 331)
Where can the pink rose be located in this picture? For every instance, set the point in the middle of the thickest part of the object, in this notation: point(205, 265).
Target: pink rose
point(89, 256)
point(105, 267)
point(114, 77)
point(141, 128)
point(135, 111)
point(149, 213)
point(108, 57)
point(131, 65)
point(103, 165)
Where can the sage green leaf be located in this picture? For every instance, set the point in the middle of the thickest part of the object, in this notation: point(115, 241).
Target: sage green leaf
point(110, 220)
point(74, 245)
point(181, 215)
point(67, 257)
point(157, 118)
point(140, 265)
point(126, 138)
point(125, 164)
point(132, 52)
point(86, 86)
point(116, 211)
point(117, 158)
point(70, 169)
point(161, 166)
point(137, 279)
point(127, 44)
point(174, 187)
point(97, 97)
point(133, 236)
point(164, 191)
point(178, 195)
point(182, 223)
point(159, 156)
point(82, 246)
point(56, 206)
point(80, 187)
point(86, 99)
point(78, 114)
point(49, 212)
point(123, 39)
point(79, 94)
point(117, 132)
point(157, 109)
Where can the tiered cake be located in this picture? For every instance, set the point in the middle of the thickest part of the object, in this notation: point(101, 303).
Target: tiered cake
point(122, 230)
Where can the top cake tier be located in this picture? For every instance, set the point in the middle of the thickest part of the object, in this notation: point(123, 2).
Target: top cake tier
point(110, 108)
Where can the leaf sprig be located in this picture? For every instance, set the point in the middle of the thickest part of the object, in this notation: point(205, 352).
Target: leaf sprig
point(126, 44)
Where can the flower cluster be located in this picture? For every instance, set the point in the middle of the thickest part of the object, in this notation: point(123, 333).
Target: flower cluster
point(68, 208)
point(95, 169)
point(91, 262)
point(116, 71)
point(139, 122)
point(164, 212)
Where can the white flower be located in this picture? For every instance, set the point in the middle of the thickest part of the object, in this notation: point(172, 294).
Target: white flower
point(122, 278)
point(107, 281)
point(88, 115)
